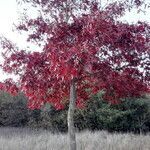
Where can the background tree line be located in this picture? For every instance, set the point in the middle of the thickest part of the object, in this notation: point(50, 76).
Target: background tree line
point(132, 115)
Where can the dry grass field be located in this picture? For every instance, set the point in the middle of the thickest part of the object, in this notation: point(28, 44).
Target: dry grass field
point(27, 139)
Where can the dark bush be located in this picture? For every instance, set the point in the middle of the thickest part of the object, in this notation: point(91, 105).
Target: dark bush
point(132, 115)
point(13, 111)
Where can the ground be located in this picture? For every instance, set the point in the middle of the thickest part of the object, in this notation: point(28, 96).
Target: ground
point(27, 139)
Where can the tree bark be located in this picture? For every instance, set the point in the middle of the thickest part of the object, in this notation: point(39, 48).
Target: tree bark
point(71, 128)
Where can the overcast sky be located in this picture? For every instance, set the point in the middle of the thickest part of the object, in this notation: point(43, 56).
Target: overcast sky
point(9, 15)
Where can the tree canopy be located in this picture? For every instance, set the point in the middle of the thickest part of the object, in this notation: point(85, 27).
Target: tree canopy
point(84, 42)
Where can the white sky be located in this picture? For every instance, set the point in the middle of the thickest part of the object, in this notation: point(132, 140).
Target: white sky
point(9, 15)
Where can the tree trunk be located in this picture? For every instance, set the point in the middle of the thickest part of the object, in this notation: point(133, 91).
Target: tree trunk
point(71, 128)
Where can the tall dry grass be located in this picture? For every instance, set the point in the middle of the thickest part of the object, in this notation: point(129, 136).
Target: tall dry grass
point(27, 139)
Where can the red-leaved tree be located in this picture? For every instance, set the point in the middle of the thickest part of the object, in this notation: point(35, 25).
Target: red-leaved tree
point(85, 50)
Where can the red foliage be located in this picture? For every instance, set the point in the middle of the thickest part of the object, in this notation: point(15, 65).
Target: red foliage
point(10, 87)
point(97, 51)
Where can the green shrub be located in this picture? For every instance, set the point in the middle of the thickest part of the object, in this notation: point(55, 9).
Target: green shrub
point(13, 111)
point(132, 115)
